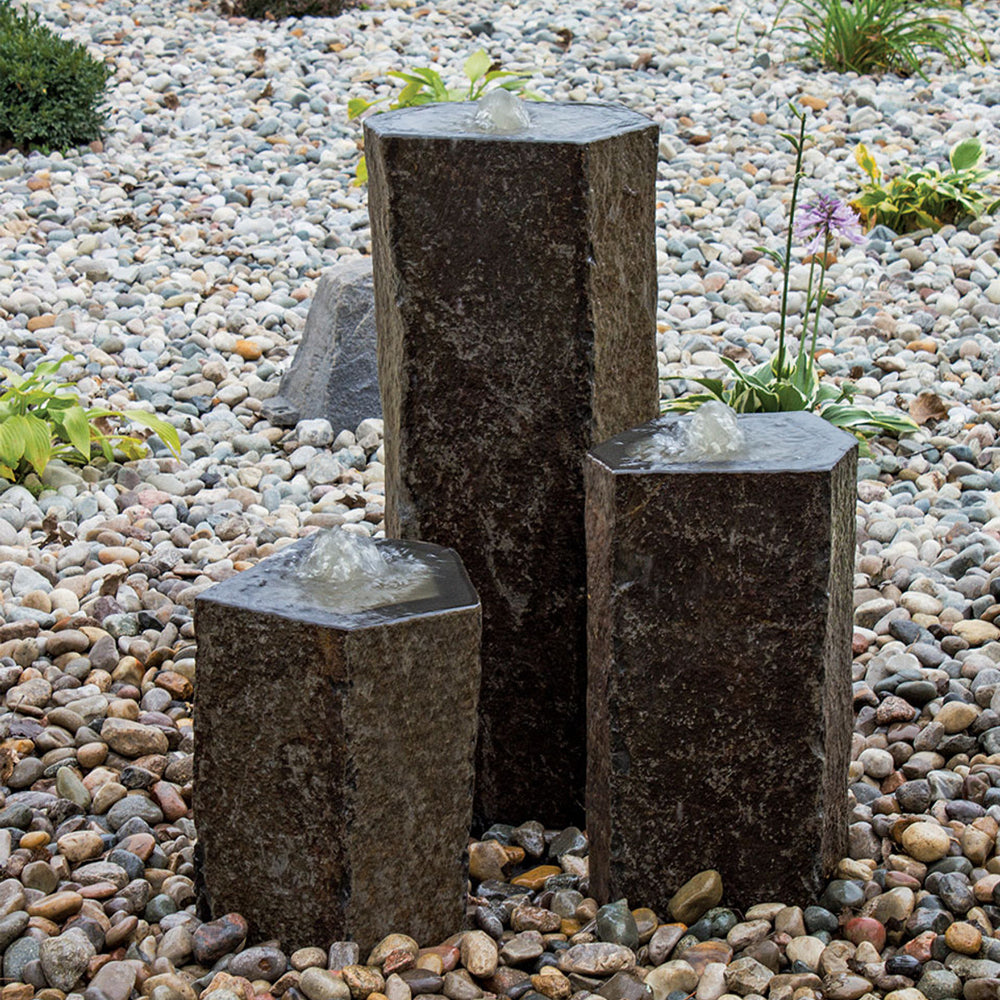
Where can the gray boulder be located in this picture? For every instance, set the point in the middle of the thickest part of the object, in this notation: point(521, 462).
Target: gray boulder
point(334, 373)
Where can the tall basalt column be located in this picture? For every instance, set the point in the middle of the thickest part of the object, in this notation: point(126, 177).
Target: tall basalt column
point(334, 753)
point(719, 702)
point(515, 296)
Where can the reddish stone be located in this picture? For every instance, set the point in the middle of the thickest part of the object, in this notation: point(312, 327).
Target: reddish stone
point(869, 929)
point(175, 684)
point(98, 890)
point(139, 844)
point(398, 960)
point(920, 946)
point(216, 938)
point(169, 800)
point(894, 709)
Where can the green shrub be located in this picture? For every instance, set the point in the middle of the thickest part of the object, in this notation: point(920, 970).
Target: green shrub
point(880, 36)
point(278, 10)
point(41, 420)
point(926, 197)
point(51, 89)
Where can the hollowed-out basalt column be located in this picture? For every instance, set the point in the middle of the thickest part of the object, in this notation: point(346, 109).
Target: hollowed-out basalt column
point(719, 703)
point(334, 753)
point(515, 298)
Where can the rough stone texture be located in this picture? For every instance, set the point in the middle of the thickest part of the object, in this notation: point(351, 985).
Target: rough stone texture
point(334, 372)
point(362, 767)
point(719, 708)
point(515, 290)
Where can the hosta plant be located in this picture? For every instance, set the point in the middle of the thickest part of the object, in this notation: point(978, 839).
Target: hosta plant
point(926, 197)
point(880, 36)
point(781, 384)
point(424, 85)
point(41, 418)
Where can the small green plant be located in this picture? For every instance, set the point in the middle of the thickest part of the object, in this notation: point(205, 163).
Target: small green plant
point(880, 36)
point(278, 10)
point(926, 197)
point(41, 420)
point(781, 385)
point(51, 89)
point(424, 85)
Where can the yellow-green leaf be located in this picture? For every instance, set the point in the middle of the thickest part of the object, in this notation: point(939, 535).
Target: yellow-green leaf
point(867, 162)
point(167, 432)
point(966, 154)
point(361, 175)
point(477, 64)
point(37, 442)
point(77, 427)
point(12, 436)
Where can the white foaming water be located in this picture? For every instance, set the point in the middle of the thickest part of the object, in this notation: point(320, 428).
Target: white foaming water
point(502, 112)
point(712, 435)
point(351, 573)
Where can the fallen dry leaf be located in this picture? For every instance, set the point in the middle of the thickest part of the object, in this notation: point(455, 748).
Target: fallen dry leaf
point(927, 406)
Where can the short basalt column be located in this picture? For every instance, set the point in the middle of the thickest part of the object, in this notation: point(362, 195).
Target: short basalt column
point(334, 750)
point(515, 295)
point(719, 704)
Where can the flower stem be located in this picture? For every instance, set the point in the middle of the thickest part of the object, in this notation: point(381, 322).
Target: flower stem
point(820, 295)
point(799, 149)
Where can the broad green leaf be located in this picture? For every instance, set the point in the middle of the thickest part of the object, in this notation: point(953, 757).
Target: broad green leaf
point(167, 432)
point(358, 106)
point(361, 175)
point(77, 429)
point(408, 93)
point(37, 442)
point(789, 398)
point(7, 472)
point(685, 404)
point(477, 64)
point(12, 440)
point(967, 154)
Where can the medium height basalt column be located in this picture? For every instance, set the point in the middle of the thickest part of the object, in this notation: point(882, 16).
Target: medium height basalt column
point(515, 293)
point(719, 705)
point(334, 750)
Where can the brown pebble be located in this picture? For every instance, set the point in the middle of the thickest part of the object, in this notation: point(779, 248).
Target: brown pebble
point(92, 754)
point(58, 906)
point(247, 350)
point(963, 938)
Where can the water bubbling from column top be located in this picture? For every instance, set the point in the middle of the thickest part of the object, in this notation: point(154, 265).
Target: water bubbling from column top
point(351, 573)
point(501, 112)
point(712, 435)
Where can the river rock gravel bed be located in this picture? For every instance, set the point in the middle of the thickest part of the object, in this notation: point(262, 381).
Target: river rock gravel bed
point(176, 261)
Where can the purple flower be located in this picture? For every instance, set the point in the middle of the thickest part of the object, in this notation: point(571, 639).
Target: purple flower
point(827, 216)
